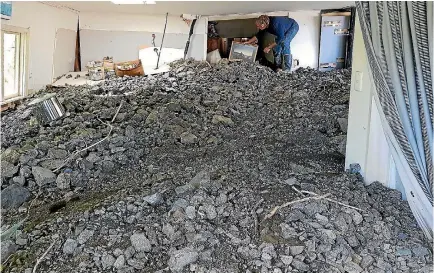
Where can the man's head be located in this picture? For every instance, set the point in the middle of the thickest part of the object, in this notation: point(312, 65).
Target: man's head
point(262, 22)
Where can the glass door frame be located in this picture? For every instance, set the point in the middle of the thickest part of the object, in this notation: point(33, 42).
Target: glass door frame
point(21, 60)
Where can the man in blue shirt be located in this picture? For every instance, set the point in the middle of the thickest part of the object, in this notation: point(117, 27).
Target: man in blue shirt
point(284, 29)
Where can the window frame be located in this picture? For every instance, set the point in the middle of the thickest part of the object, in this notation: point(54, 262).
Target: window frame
point(21, 61)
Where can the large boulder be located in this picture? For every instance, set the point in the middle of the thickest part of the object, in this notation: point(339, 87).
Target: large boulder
point(43, 176)
point(11, 155)
point(14, 196)
point(181, 258)
point(7, 248)
point(69, 246)
point(8, 170)
point(343, 124)
point(140, 242)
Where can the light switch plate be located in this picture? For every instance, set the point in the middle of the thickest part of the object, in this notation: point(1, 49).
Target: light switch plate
point(358, 81)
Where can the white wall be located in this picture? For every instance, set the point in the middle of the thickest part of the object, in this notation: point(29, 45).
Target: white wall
point(379, 161)
point(122, 35)
point(64, 51)
point(134, 22)
point(359, 115)
point(42, 22)
point(366, 140)
point(305, 45)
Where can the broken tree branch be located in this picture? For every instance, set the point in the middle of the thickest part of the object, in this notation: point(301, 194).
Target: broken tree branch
point(273, 211)
point(96, 143)
point(38, 261)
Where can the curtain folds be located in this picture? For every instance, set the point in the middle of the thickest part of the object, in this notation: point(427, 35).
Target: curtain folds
point(398, 38)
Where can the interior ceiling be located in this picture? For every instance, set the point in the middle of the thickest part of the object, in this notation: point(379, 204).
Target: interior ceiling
point(202, 7)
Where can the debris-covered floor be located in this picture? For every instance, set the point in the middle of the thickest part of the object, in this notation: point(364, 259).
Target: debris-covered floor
point(192, 166)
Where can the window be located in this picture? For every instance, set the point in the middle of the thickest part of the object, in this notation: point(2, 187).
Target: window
point(13, 63)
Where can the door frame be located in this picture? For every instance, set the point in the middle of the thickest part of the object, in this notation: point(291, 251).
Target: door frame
point(23, 61)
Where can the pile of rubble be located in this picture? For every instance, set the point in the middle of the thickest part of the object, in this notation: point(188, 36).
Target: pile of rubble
point(189, 175)
point(194, 106)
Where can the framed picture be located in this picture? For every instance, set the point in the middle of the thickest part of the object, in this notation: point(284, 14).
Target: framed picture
point(243, 52)
point(6, 9)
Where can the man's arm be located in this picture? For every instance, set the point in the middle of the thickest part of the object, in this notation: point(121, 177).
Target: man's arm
point(251, 41)
point(281, 27)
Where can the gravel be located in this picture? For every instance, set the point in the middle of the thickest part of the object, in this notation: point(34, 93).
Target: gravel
point(195, 160)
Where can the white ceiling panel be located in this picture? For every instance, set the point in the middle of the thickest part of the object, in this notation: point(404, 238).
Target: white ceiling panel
point(202, 7)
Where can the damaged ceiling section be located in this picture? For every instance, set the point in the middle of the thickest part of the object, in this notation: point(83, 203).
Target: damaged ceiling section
point(225, 168)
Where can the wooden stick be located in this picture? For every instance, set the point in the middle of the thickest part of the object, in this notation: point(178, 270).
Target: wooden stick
point(117, 111)
point(96, 143)
point(255, 218)
point(38, 261)
point(333, 201)
point(295, 189)
point(273, 211)
point(5, 262)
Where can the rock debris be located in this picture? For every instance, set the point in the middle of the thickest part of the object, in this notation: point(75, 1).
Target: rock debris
point(195, 159)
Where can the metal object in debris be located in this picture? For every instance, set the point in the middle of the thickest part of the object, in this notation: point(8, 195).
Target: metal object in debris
point(341, 31)
point(162, 40)
point(153, 44)
point(340, 60)
point(332, 23)
point(47, 108)
point(187, 45)
point(327, 65)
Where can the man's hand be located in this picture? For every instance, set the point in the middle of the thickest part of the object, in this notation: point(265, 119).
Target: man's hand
point(251, 41)
point(269, 48)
